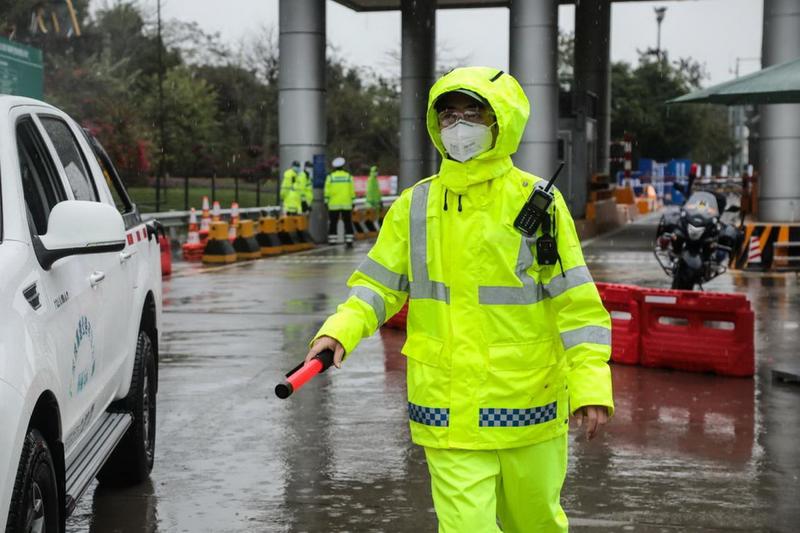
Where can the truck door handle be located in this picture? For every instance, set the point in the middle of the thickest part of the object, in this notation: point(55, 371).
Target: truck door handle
point(124, 256)
point(96, 277)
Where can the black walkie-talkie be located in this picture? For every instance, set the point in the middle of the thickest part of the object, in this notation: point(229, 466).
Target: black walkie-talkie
point(535, 209)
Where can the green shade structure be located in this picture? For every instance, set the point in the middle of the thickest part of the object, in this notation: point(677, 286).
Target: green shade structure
point(778, 84)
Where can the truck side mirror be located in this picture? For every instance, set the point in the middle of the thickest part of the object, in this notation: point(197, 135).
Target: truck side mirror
point(77, 227)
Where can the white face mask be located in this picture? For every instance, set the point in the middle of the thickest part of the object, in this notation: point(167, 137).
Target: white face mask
point(465, 140)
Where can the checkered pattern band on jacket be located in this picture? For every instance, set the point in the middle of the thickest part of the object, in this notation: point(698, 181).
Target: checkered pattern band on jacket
point(430, 416)
point(497, 417)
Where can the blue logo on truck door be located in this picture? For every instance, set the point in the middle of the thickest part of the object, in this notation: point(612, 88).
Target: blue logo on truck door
point(83, 357)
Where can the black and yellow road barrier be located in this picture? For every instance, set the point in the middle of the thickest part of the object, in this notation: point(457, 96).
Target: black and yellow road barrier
point(245, 244)
point(218, 248)
point(287, 232)
point(370, 223)
point(769, 247)
point(358, 225)
point(268, 237)
point(302, 232)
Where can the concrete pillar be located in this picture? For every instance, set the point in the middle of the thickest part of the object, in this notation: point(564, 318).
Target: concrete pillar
point(779, 145)
point(301, 88)
point(593, 67)
point(417, 71)
point(533, 54)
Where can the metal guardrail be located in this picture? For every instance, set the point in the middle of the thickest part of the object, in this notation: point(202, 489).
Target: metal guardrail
point(181, 218)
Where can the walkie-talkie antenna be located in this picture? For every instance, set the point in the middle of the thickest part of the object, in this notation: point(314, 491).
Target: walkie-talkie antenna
point(553, 179)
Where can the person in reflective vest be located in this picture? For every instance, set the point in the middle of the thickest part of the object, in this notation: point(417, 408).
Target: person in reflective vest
point(291, 192)
point(340, 192)
point(501, 349)
point(374, 198)
point(306, 185)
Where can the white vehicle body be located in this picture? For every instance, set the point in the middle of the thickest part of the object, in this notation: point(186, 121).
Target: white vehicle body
point(68, 333)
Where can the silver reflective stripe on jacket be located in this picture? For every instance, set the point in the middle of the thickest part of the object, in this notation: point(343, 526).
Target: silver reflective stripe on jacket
point(592, 334)
point(531, 292)
point(422, 287)
point(391, 280)
point(373, 299)
point(572, 278)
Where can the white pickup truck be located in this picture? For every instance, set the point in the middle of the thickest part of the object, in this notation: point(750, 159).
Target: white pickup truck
point(80, 309)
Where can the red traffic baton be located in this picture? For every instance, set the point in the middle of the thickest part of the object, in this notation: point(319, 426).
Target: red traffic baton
point(302, 374)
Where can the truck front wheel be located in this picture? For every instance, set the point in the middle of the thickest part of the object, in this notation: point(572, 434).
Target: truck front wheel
point(34, 502)
point(132, 461)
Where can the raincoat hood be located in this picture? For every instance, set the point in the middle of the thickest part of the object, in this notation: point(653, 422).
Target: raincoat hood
point(511, 107)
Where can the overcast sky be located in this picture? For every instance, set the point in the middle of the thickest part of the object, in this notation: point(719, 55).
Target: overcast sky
point(714, 32)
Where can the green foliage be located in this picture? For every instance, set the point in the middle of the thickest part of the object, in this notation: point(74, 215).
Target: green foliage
point(98, 92)
point(363, 119)
point(220, 106)
point(245, 107)
point(638, 106)
point(191, 129)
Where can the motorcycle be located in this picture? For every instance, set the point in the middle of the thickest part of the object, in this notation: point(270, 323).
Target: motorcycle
point(693, 245)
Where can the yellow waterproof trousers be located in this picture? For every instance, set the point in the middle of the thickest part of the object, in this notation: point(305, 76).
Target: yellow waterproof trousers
point(517, 489)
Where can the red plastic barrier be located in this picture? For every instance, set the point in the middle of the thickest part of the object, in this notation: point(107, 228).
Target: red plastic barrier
point(398, 321)
point(698, 332)
point(623, 302)
point(166, 255)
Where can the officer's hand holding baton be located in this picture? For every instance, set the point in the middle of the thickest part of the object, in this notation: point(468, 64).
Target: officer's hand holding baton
point(327, 343)
point(325, 352)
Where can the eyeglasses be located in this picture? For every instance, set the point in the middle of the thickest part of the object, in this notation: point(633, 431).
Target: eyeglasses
point(448, 117)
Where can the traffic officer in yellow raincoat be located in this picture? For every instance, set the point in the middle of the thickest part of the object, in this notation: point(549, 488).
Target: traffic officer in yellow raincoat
point(340, 191)
point(501, 349)
point(292, 190)
point(306, 186)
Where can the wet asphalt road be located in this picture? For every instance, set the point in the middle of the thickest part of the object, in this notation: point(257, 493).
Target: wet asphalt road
point(685, 452)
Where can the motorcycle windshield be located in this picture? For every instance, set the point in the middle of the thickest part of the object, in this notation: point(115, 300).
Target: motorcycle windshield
point(703, 204)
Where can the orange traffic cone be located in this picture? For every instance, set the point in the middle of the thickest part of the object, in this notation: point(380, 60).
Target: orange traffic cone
point(216, 213)
point(193, 248)
point(205, 220)
point(194, 234)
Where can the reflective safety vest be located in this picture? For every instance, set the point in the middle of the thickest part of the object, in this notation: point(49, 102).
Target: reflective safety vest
point(374, 198)
point(500, 348)
point(292, 192)
point(304, 186)
point(340, 191)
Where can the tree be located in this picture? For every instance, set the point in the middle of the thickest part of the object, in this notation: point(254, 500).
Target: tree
point(363, 118)
point(97, 92)
point(242, 105)
point(566, 60)
point(191, 126)
point(638, 106)
point(131, 40)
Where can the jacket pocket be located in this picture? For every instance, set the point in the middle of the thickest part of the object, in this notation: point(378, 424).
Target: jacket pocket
point(522, 356)
point(423, 349)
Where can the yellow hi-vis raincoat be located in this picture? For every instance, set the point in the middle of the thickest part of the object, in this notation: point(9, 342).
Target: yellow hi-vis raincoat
point(500, 348)
point(292, 190)
point(305, 187)
point(340, 190)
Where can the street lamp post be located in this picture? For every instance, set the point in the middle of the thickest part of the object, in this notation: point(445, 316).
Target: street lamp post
point(660, 12)
point(160, 112)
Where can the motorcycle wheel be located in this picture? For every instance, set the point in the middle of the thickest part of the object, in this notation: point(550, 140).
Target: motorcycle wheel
point(681, 280)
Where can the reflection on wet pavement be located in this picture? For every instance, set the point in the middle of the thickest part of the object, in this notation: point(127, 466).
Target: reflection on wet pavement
point(685, 452)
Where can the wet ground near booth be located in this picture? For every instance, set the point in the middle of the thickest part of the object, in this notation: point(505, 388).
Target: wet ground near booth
point(685, 452)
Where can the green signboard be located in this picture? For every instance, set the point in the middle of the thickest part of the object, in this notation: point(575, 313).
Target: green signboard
point(21, 70)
